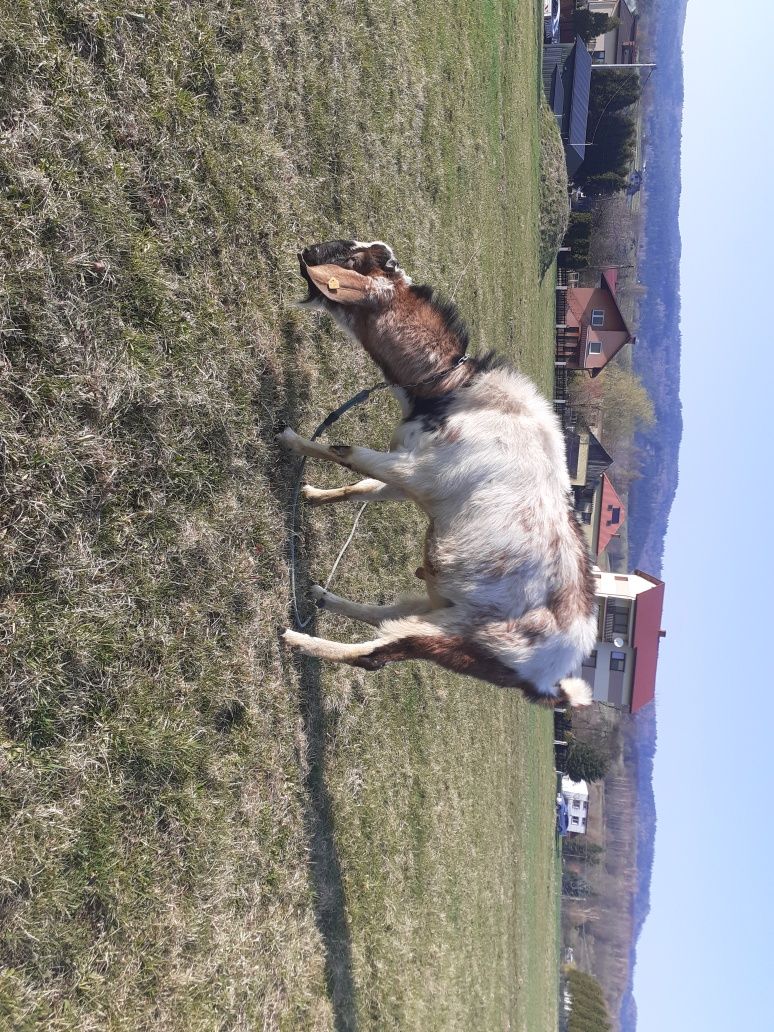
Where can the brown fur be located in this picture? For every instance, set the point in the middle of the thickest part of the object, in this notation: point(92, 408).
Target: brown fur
point(413, 343)
point(429, 568)
point(575, 599)
point(453, 653)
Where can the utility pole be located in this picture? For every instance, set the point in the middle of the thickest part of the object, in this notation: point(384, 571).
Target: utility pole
point(601, 67)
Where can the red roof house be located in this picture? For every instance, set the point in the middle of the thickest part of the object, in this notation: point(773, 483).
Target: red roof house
point(647, 637)
point(622, 667)
point(590, 326)
point(610, 516)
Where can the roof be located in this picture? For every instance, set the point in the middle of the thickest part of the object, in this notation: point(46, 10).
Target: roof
point(579, 106)
point(610, 283)
point(610, 276)
point(579, 788)
point(647, 635)
point(598, 460)
point(572, 447)
point(567, 85)
point(612, 514)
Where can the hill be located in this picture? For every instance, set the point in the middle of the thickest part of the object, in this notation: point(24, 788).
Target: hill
point(657, 352)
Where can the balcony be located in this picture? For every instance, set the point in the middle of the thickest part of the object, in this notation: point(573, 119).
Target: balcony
point(615, 620)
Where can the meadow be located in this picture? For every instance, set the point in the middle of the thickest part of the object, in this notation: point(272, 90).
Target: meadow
point(199, 831)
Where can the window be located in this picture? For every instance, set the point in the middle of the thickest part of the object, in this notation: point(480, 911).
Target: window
point(591, 661)
point(597, 317)
point(616, 619)
point(595, 347)
point(615, 515)
point(621, 621)
point(575, 820)
point(618, 661)
point(573, 278)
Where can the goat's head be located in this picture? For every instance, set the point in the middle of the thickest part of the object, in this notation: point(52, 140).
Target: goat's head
point(347, 272)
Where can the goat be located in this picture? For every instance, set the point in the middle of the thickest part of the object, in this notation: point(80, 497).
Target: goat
point(509, 596)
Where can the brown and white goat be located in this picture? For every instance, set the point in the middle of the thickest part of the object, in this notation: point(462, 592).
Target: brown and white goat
point(508, 593)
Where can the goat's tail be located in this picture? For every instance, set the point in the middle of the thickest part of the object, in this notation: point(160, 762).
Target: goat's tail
point(575, 691)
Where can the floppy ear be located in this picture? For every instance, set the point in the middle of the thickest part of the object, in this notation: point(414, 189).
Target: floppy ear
point(343, 285)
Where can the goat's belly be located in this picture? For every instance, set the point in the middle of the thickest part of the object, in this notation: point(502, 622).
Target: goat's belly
point(486, 588)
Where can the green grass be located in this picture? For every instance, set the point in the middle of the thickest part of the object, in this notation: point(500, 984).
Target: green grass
point(198, 831)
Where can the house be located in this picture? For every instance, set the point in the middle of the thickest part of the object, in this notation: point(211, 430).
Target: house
point(619, 45)
point(602, 517)
point(626, 33)
point(590, 328)
point(576, 795)
point(622, 667)
point(602, 49)
point(587, 460)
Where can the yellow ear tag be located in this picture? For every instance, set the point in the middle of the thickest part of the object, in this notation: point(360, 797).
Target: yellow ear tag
point(333, 283)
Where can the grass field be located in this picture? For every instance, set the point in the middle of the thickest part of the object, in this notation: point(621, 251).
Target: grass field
point(199, 832)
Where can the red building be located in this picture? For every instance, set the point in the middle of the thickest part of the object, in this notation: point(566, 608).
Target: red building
point(590, 328)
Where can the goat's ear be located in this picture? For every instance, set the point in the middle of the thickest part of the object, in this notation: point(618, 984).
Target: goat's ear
point(345, 286)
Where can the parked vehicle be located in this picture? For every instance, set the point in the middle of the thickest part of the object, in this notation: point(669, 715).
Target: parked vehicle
point(551, 21)
point(562, 816)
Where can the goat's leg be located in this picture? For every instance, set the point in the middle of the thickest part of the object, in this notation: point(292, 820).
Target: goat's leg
point(393, 468)
point(412, 637)
point(333, 651)
point(368, 490)
point(374, 615)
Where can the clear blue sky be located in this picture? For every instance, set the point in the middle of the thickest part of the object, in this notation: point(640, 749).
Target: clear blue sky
point(706, 954)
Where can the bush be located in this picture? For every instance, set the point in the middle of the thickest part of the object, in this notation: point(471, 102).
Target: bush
point(554, 202)
point(585, 763)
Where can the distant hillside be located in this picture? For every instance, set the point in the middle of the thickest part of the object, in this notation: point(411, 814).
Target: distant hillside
point(657, 352)
point(657, 361)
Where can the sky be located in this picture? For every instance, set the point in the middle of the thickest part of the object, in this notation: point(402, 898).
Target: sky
point(706, 953)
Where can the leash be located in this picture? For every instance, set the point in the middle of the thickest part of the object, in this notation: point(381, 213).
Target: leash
point(333, 417)
point(357, 399)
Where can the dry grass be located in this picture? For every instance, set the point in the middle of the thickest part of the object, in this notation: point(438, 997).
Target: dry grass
point(199, 834)
point(554, 199)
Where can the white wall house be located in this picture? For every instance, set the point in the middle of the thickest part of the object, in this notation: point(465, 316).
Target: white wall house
point(622, 667)
point(576, 795)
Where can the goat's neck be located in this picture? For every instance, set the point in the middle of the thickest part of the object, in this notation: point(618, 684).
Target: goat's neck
point(413, 347)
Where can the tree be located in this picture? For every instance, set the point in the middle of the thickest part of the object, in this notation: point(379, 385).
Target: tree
point(578, 238)
point(612, 143)
point(627, 407)
point(589, 1011)
point(605, 183)
point(613, 91)
point(617, 399)
point(589, 25)
point(575, 887)
point(581, 849)
point(585, 763)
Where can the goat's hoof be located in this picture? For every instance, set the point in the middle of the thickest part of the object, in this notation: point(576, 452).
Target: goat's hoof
point(292, 639)
point(318, 593)
point(288, 438)
point(311, 495)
